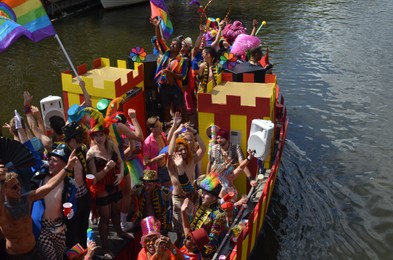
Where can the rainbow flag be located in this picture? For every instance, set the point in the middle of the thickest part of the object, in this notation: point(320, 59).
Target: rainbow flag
point(158, 8)
point(135, 168)
point(23, 17)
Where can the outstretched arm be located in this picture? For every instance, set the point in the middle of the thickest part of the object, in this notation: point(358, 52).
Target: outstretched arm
point(85, 94)
point(254, 27)
point(135, 123)
point(218, 36)
point(184, 217)
point(55, 180)
point(198, 42)
point(172, 131)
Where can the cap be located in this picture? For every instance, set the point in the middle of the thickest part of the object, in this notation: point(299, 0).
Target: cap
point(223, 133)
point(150, 226)
point(75, 113)
point(211, 184)
point(102, 105)
point(72, 129)
point(61, 151)
point(149, 176)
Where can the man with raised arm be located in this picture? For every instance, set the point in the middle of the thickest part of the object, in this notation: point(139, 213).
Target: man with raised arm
point(15, 208)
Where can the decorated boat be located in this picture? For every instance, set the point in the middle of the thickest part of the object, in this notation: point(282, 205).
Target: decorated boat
point(248, 102)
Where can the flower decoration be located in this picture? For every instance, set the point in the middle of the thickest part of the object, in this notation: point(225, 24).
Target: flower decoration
point(228, 60)
point(138, 54)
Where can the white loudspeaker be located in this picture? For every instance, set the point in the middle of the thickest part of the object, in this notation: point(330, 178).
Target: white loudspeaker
point(51, 106)
point(261, 134)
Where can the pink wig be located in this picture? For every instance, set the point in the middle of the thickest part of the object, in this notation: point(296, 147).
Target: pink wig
point(231, 31)
point(243, 43)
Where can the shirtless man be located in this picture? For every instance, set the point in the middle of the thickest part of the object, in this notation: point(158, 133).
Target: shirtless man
point(15, 218)
point(181, 166)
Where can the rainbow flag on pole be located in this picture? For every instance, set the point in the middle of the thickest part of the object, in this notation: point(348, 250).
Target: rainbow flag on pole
point(23, 18)
point(158, 8)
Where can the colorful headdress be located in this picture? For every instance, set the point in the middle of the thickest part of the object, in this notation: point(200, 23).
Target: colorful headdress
point(211, 184)
point(97, 121)
point(150, 226)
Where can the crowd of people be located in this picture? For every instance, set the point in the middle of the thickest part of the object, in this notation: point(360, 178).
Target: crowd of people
point(82, 173)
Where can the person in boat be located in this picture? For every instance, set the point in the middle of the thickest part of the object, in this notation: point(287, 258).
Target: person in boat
point(15, 211)
point(192, 141)
point(49, 221)
point(194, 241)
point(105, 163)
point(154, 245)
point(208, 69)
point(189, 81)
point(74, 138)
point(152, 199)
point(207, 213)
point(22, 133)
point(171, 70)
point(181, 167)
point(256, 55)
point(119, 131)
point(153, 144)
point(224, 152)
point(56, 123)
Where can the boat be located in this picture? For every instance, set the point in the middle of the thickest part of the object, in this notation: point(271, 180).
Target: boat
point(248, 102)
point(62, 8)
point(108, 4)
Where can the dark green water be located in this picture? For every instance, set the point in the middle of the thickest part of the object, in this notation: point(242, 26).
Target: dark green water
point(333, 199)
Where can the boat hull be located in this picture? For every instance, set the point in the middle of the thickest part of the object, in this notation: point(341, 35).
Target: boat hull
point(107, 4)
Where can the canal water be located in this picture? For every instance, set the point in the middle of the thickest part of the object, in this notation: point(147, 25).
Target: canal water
point(333, 198)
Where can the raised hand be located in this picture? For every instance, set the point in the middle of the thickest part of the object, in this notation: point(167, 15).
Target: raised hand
point(131, 113)
point(27, 98)
point(177, 159)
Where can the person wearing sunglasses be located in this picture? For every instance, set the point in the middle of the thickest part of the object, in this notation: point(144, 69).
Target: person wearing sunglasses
point(152, 199)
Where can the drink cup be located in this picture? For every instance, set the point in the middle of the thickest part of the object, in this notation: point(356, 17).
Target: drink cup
point(67, 208)
point(90, 179)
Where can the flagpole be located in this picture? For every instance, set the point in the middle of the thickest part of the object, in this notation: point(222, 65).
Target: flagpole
point(66, 54)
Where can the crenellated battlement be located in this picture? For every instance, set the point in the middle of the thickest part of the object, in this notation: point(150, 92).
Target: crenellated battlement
point(102, 81)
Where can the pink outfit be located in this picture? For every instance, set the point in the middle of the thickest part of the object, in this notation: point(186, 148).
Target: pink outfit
point(150, 149)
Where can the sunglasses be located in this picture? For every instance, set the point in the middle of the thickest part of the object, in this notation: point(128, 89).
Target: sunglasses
point(151, 240)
